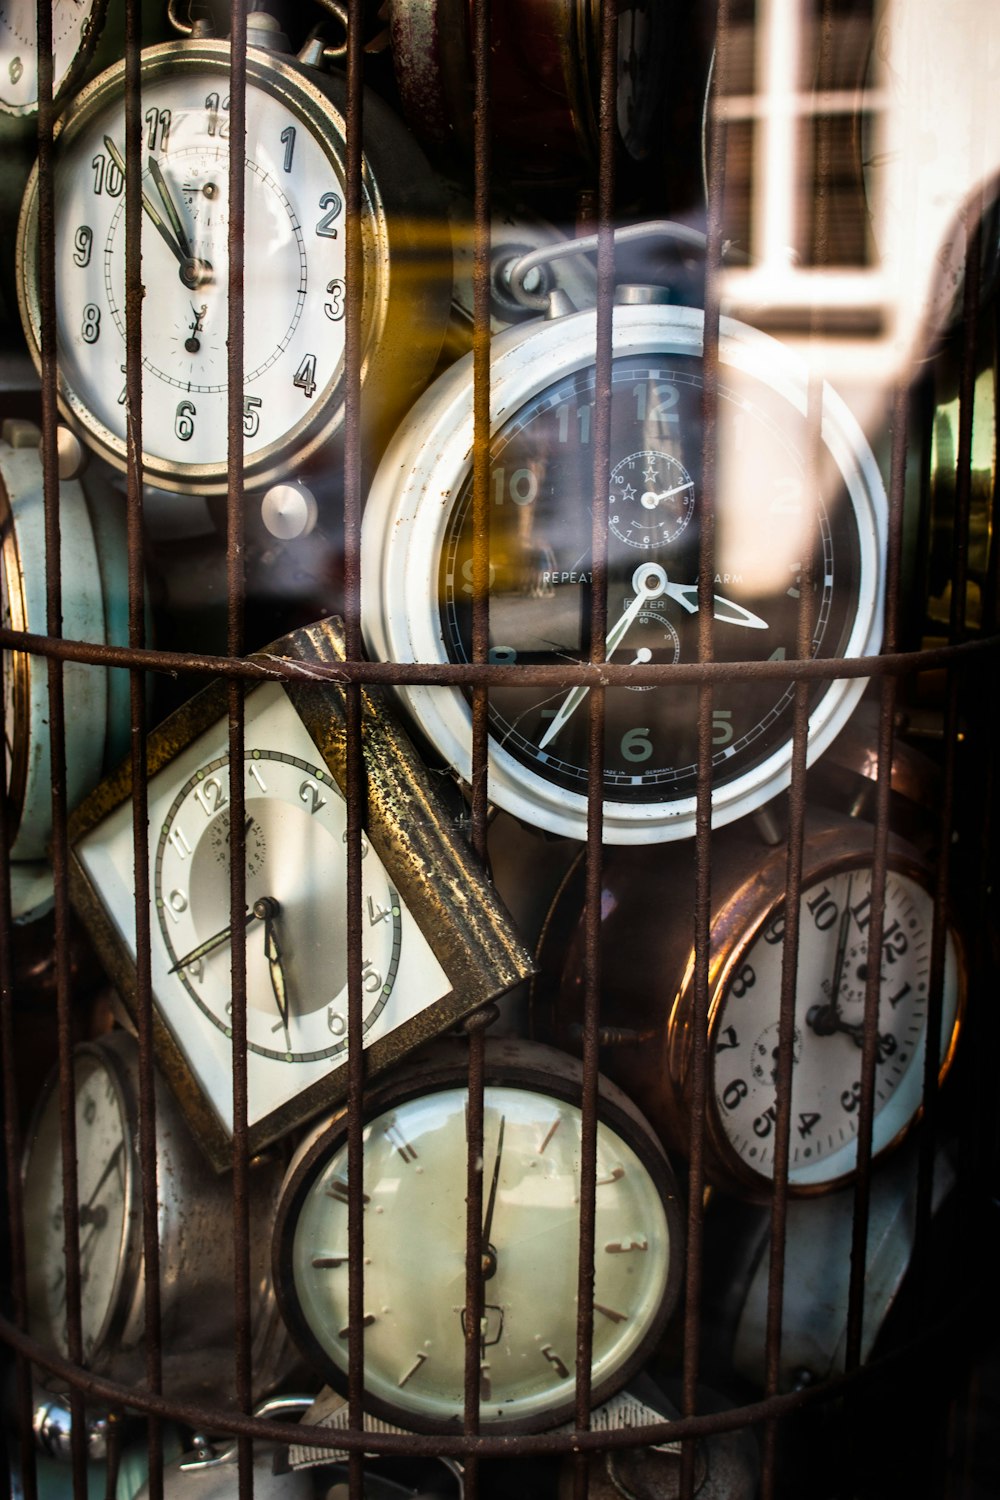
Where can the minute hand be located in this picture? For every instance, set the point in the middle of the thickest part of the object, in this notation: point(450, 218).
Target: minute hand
point(726, 610)
point(649, 581)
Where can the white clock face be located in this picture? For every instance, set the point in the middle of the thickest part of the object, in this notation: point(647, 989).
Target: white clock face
point(295, 921)
point(71, 21)
point(829, 1018)
point(294, 286)
point(103, 1188)
point(415, 1184)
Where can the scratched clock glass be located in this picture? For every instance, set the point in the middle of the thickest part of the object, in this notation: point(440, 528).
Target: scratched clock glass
point(415, 1149)
point(294, 278)
point(424, 962)
point(778, 520)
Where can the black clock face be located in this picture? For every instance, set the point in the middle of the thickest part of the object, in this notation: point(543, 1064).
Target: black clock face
point(781, 524)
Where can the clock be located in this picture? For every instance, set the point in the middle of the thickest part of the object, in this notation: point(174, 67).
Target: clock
point(774, 526)
point(436, 942)
point(194, 1224)
point(415, 1151)
point(649, 1003)
point(76, 25)
point(544, 80)
point(295, 286)
point(94, 608)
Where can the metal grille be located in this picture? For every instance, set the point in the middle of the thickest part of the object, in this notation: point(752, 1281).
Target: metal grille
point(775, 164)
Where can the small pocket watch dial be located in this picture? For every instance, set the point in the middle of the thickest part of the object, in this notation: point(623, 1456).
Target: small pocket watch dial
point(75, 24)
point(415, 1194)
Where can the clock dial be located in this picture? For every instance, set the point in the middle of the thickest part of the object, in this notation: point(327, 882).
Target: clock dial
point(294, 279)
point(831, 982)
point(791, 517)
point(415, 1182)
point(105, 1189)
point(74, 26)
point(296, 829)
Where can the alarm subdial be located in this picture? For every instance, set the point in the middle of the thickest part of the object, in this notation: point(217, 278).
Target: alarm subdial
point(255, 842)
point(653, 639)
point(651, 499)
point(764, 1054)
point(854, 982)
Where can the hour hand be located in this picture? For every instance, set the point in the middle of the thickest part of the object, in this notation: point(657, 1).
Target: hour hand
point(266, 908)
point(166, 197)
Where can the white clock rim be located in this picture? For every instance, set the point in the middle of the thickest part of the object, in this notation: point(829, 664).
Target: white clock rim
point(430, 459)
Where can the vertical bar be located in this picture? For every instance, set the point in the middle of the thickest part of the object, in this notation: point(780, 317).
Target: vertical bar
point(235, 587)
point(356, 786)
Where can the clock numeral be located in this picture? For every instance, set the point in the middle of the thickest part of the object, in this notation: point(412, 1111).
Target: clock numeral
point(288, 141)
point(309, 792)
point(894, 942)
point(902, 994)
point(778, 654)
point(502, 656)
point(211, 795)
point(334, 205)
point(251, 415)
point(467, 575)
point(734, 1093)
point(177, 903)
point(254, 770)
point(611, 1313)
point(851, 1098)
point(336, 307)
point(90, 328)
point(522, 487)
point(16, 69)
point(764, 1124)
point(377, 912)
point(408, 1374)
point(371, 979)
point(655, 404)
point(722, 726)
point(885, 1047)
point(336, 1021)
point(178, 842)
point(807, 1122)
point(583, 415)
point(824, 910)
point(364, 843)
point(745, 980)
point(217, 125)
point(83, 242)
point(157, 129)
point(774, 932)
point(184, 420)
point(305, 375)
point(107, 178)
point(788, 498)
point(727, 1039)
point(636, 745)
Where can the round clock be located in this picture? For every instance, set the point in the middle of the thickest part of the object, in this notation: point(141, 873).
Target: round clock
point(94, 608)
point(76, 25)
point(295, 285)
point(194, 1225)
point(773, 523)
point(648, 913)
point(414, 1179)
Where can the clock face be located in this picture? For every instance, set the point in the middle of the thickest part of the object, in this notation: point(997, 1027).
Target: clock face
point(294, 278)
point(415, 1183)
point(828, 1029)
point(104, 1187)
point(72, 23)
point(295, 918)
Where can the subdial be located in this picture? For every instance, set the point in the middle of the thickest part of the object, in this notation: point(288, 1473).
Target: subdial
point(256, 843)
point(651, 499)
point(764, 1054)
point(654, 639)
point(855, 978)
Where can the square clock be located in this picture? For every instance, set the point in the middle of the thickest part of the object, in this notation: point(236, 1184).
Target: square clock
point(436, 944)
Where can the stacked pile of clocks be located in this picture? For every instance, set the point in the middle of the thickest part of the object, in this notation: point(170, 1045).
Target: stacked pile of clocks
point(701, 904)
